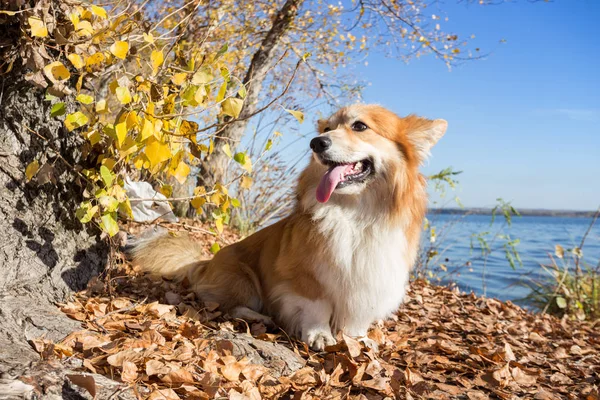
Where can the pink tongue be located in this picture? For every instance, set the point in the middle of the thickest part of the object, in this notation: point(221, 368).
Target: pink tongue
point(329, 181)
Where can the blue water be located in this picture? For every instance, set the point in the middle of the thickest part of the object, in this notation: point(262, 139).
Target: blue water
point(538, 236)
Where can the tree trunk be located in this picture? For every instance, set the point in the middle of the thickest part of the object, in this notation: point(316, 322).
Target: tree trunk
point(45, 252)
point(261, 62)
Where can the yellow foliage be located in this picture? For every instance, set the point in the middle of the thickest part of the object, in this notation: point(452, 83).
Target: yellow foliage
point(157, 152)
point(156, 59)
point(120, 49)
point(38, 28)
point(32, 169)
point(123, 95)
point(56, 71)
point(76, 60)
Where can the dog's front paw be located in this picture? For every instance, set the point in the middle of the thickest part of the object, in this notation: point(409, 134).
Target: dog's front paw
point(318, 339)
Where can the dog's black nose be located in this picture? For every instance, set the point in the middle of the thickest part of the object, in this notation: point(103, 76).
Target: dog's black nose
point(320, 144)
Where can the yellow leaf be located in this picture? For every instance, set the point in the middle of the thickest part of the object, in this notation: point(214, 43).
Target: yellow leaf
point(222, 92)
point(93, 136)
point(76, 60)
point(246, 182)
point(216, 198)
point(84, 28)
point(188, 128)
point(157, 59)
point(139, 161)
point(99, 11)
point(232, 107)
point(202, 77)
point(120, 49)
point(94, 59)
point(56, 71)
point(299, 115)
point(198, 202)
point(219, 224)
point(32, 169)
point(123, 95)
point(109, 224)
point(179, 78)
point(101, 106)
point(227, 150)
point(79, 83)
point(147, 130)
point(148, 37)
point(121, 132)
point(132, 120)
point(38, 28)
point(181, 172)
point(84, 99)
point(157, 152)
point(220, 188)
point(75, 120)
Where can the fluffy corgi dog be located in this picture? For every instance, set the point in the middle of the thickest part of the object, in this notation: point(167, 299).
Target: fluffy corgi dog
point(342, 259)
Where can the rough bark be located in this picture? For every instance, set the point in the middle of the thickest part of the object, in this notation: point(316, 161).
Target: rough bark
point(45, 253)
point(262, 61)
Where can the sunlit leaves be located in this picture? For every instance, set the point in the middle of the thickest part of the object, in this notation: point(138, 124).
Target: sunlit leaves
point(101, 106)
point(76, 120)
point(99, 11)
point(181, 172)
point(299, 115)
point(156, 59)
point(109, 224)
point(202, 77)
point(148, 37)
point(123, 95)
point(94, 59)
point(147, 130)
point(244, 161)
point(86, 212)
point(232, 107)
point(32, 169)
point(120, 49)
point(157, 152)
point(58, 109)
point(84, 99)
point(214, 249)
point(222, 92)
point(227, 150)
point(38, 28)
point(76, 60)
point(179, 78)
point(56, 71)
point(246, 182)
point(121, 132)
point(106, 175)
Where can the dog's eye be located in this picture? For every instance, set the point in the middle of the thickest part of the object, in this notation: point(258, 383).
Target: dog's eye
point(326, 130)
point(359, 126)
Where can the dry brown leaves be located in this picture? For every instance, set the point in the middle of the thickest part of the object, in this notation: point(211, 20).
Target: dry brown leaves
point(441, 345)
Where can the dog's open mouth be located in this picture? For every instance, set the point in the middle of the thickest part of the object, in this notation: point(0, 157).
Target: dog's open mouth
point(340, 175)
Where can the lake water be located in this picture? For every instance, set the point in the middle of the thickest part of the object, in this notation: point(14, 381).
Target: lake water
point(538, 236)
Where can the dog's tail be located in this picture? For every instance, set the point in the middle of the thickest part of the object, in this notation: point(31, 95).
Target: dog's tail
point(171, 256)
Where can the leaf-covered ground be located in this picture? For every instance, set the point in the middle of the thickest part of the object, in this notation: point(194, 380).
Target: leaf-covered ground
point(442, 344)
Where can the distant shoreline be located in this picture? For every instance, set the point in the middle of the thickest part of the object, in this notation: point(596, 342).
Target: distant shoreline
point(523, 211)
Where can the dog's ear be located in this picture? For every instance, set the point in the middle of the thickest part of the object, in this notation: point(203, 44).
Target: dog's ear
point(321, 125)
point(426, 136)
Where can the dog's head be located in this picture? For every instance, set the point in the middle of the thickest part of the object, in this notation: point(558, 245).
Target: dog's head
point(362, 145)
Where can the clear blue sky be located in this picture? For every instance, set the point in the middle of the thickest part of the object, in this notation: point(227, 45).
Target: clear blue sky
point(524, 123)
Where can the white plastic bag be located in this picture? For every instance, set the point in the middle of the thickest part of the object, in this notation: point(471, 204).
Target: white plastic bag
point(147, 209)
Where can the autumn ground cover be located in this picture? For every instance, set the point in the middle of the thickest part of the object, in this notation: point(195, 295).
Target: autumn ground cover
point(155, 338)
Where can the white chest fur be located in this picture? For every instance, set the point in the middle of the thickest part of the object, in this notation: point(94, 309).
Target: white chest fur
point(366, 272)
